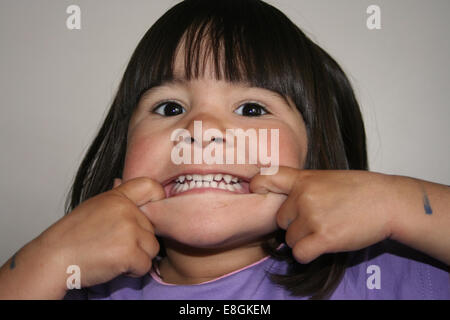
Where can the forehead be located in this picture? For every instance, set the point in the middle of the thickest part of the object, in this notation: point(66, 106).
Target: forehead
point(204, 67)
point(199, 63)
point(206, 62)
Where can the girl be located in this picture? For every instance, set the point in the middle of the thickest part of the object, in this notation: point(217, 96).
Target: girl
point(322, 227)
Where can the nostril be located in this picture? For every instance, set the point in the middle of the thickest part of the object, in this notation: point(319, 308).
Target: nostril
point(213, 139)
point(217, 139)
point(189, 140)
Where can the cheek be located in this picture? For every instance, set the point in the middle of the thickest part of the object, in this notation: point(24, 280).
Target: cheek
point(146, 155)
point(291, 148)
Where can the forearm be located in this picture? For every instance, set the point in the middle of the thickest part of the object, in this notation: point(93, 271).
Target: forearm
point(421, 217)
point(31, 274)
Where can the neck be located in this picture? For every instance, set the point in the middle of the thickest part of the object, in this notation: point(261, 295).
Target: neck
point(187, 265)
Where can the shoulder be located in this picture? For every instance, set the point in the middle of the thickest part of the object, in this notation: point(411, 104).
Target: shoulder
point(390, 270)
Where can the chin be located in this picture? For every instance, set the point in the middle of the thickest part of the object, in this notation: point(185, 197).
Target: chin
point(214, 219)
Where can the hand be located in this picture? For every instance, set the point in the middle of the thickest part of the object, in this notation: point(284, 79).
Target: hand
point(330, 210)
point(107, 235)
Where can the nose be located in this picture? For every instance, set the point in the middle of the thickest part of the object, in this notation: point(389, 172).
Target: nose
point(204, 129)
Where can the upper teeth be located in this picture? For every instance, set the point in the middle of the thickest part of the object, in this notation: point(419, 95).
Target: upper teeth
point(207, 177)
point(190, 181)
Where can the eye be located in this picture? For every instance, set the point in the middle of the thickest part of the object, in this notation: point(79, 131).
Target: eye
point(251, 109)
point(169, 109)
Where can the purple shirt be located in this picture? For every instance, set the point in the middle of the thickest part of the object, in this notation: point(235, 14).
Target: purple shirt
point(387, 270)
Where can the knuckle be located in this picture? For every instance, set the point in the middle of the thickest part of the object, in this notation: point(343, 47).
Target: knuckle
point(303, 179)
point(128, 228)
point(152, 185)
point(134, 255)
point(314, 220)
point(155, 246)
point(316, 223)
point(299, 254)
point(308, 197)
point(291, 237)
point(118, 250)
point(129, 247)
point(124, 258)
point(145, 267)
point(151, 244)
point(282, 221)
point(289, 240)
point(324, 242)
point(146, 180)
point(119, 205)
point(308, 221)
point(141, 263)
point(307, 202)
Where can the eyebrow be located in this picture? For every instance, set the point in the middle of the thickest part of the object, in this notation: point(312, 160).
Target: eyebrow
point(163, 83)
point(182, 81)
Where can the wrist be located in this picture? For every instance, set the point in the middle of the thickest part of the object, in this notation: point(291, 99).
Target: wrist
point(407, 210)
point(51, 265)
point(36, 273)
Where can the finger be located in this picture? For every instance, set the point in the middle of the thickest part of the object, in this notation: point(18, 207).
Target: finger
point(140, 190)
point(140, 263)
point(296, 231)
point(281, 182)
point(287, 213)
point(144, 222)
point(148, 242)
point(309, 248)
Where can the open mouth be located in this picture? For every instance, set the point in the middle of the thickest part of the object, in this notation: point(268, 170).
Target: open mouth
point(212, 182)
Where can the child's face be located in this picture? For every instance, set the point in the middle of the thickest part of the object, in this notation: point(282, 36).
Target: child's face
point(210, 217)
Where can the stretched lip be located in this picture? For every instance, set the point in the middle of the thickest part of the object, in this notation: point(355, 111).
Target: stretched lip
point(169, 184)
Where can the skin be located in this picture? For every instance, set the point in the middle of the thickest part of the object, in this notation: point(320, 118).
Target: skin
point(334, 211)
point(105, 236)
point(211, 234)
point(201, 231)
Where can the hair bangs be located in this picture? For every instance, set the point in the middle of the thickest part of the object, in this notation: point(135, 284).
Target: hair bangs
point(256, 52)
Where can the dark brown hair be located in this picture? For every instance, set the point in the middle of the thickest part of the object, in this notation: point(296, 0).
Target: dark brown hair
point(253, 42)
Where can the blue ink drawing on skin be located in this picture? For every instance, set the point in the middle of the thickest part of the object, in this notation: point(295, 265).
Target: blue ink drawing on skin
point(13, 262)
point(426, 205)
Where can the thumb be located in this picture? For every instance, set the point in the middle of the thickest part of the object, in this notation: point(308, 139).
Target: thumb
point(281, 182)
point(140, 190)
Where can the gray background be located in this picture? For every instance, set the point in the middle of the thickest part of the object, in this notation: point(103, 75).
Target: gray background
point(57, 84)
